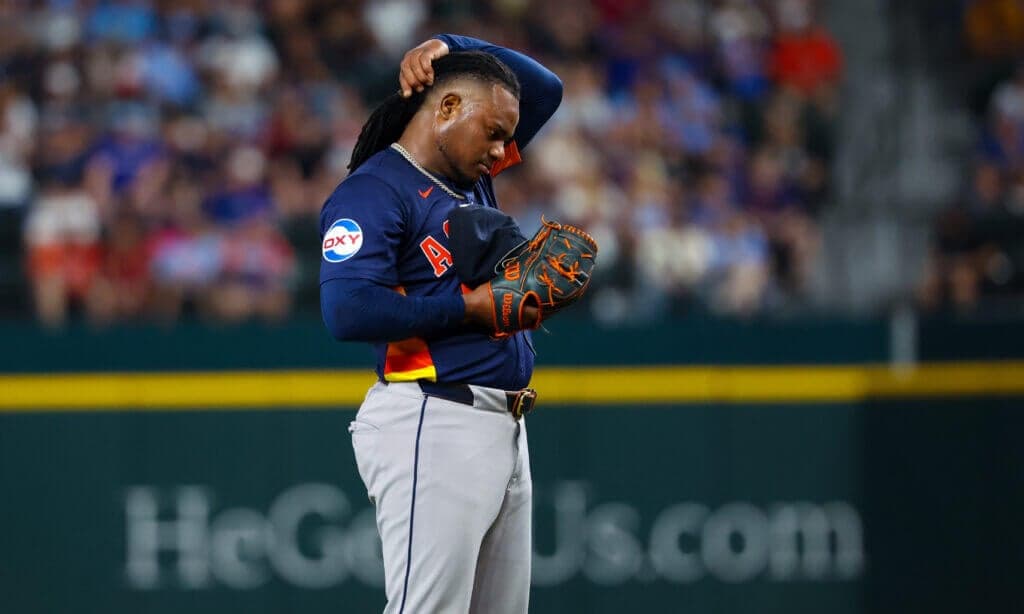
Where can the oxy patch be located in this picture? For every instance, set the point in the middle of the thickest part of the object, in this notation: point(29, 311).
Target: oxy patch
point(342, 240)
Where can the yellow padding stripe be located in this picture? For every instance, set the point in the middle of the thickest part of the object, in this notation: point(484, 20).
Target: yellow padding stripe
point(427, 373)
point(183, 390)
point(784, 384)
point(589, 386)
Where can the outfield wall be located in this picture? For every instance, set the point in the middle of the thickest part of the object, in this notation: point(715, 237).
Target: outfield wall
point(791, 470)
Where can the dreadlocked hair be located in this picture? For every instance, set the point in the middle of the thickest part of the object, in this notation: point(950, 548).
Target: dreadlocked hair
point(388, 121)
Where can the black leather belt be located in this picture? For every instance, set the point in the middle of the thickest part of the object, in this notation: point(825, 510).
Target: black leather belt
point(519, 402)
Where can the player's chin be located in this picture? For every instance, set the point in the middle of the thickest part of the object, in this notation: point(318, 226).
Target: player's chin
point(473, 174)
point(479, 170)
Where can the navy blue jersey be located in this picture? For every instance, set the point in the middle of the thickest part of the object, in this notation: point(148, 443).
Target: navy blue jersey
point(387, 223)
point(384, 226)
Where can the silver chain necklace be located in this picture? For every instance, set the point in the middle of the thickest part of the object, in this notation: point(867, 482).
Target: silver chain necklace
point(408, 157)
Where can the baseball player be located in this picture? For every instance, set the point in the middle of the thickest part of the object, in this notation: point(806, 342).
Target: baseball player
point(439, 440)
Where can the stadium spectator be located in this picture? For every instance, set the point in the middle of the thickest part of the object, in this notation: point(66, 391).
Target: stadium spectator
point(121, 290)
point(18, 123)
point(63, 237)
point(805, 57)
point(977, 258)
point(255, 260)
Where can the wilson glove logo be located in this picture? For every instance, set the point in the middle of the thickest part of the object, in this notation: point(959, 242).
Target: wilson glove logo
point(342, 240)
point(506, 309)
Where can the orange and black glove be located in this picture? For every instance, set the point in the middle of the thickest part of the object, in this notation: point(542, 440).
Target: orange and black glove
point(550, 272)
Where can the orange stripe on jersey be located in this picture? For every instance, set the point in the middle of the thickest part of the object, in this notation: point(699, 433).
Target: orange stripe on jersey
point(511, 158)
point(408, 360)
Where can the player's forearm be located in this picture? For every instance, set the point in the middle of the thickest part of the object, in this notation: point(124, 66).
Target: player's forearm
point(541, 88)
point(356, 310)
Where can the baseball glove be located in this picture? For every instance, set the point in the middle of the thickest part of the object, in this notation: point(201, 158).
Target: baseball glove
point(550, 272)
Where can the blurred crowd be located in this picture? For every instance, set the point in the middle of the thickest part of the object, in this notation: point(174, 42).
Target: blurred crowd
point(977, 260)
point(164, 159)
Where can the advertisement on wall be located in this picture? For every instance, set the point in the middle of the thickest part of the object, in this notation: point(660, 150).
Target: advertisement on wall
point(264, 511)
point(315, 536)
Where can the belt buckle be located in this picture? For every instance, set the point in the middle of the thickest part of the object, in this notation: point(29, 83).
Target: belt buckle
point(522, 402)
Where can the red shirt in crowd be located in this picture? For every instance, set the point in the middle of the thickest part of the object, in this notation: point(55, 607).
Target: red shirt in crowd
point(805, 60)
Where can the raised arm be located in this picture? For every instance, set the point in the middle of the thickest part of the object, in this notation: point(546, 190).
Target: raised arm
point(541, 88)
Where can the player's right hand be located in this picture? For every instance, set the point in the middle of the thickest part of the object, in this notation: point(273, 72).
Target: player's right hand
point(416, 71)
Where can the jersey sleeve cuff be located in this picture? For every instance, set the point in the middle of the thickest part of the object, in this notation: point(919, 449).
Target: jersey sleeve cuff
point(453, 309)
